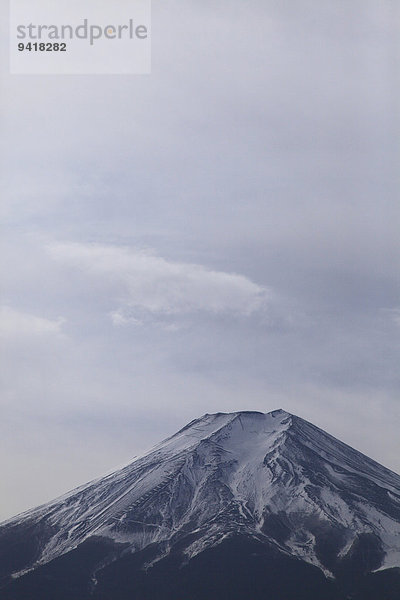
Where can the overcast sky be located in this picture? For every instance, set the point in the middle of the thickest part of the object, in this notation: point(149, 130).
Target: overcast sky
point(222, 234)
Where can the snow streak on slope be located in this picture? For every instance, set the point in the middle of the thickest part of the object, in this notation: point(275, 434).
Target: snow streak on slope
point(273, 476)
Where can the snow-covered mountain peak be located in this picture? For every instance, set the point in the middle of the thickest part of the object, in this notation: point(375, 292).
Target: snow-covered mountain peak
point(222, 439)
point(272, 476)
point(226, 428)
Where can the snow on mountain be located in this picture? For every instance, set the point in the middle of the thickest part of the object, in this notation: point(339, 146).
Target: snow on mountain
point(274, 477)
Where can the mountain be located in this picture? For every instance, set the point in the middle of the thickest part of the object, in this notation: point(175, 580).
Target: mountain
point(234, 506)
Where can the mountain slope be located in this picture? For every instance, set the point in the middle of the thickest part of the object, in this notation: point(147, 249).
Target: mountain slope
point(234, 485)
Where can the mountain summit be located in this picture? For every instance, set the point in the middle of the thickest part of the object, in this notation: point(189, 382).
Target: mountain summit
point(235, 505)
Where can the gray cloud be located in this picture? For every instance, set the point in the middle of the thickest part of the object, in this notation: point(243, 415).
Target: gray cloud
point(14, 323)
point(259, 161)
point(147, 282)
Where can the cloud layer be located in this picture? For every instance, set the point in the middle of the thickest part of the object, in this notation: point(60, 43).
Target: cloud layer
point(260, 161)
point(147, 283)
point(15, 324)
